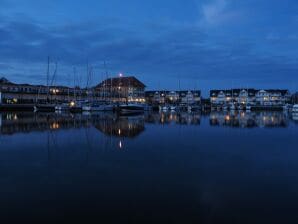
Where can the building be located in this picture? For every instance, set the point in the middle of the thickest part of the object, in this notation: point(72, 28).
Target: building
point(116, 89)
point(271, 97)
point(155, 97)
point(190, 97)
point(123, 89)
point(294, 98)
point(173, 97)
point(12, 93)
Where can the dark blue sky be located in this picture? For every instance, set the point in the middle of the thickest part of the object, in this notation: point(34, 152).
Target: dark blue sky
point(207, 43)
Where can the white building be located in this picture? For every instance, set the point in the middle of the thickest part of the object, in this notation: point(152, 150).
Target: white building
point(250, 96)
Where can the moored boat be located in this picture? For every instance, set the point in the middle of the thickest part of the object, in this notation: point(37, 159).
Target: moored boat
point(232, 106)
point(241, 107)
point(16, 107)
point(295, 109)
point(86, 108)
point(165, 108)
point(62, 107)
point(131, 108)
point(75, 107)
point(98, 107)
point(44, 108)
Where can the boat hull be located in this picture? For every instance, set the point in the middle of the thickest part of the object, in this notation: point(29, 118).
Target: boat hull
point(16, 107)
point(131, 109)
point(76, 109)
point(44, 108)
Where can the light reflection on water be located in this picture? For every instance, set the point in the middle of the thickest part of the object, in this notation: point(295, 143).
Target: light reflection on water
point(132, 126)
point(221, 167)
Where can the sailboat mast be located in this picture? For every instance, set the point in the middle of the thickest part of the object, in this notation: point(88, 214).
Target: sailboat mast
point(74, 84)
point(48, 77)
point(106, 82)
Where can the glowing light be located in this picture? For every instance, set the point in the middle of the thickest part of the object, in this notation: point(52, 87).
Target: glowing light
point(120, 145)
point(55, 91)
point(55, 126)
point(120, 75)
point(119, 132)
point(72, 103)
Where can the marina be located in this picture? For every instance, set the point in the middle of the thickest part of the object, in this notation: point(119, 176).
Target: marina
point(118, 134)
point(148, 112)
point(128, 94)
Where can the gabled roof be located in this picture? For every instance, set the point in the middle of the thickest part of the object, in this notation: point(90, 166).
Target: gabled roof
point(121, 81)
point(282, 91)
point(214, 93)
point(251, 92)
point(3, 80)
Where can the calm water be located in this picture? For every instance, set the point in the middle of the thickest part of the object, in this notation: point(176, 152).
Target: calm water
point(153, 168)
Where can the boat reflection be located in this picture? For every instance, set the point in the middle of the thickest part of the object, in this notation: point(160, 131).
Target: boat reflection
point(249, 119)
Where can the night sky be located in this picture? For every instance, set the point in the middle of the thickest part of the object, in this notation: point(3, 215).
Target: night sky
point(205, 44)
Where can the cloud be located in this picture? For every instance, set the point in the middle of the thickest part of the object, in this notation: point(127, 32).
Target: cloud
point(218, 12)
point(153, 52)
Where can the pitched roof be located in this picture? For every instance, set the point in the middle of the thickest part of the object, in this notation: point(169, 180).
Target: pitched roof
point(3, 80)
point(121, 81)
point(282, 91)
point(251, 92)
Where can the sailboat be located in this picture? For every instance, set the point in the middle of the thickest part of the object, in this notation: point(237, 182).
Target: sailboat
point(48, 107)
point(173, 108)
point(101, 105)
point(131, 108)
point(64, 107)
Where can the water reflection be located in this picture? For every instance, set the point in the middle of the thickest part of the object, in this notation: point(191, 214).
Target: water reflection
point(107, 123)
point(120, 126)
point(174, 118)
point(249, 119)
point(130, 127)
point(124, 165)
point(12, 123)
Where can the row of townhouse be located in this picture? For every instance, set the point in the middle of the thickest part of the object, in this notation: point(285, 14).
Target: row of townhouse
point(173, 97)
point(270, 97)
